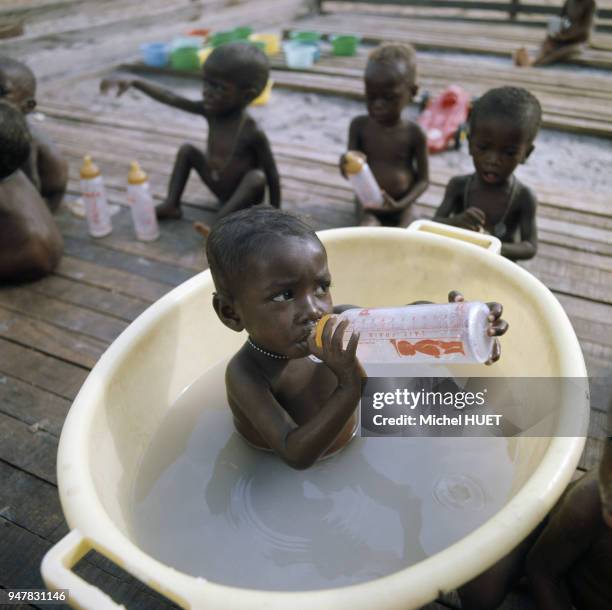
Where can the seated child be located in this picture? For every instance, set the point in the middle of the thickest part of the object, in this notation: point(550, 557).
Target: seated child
point(45, 166)
point(503, 125)
point(567, 34)
point(271, 278)
point(570, 565)
point(396, 149)
point(30, 243)
point(238, 161)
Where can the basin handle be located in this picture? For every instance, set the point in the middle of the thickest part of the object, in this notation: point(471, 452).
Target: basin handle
point(489, 242)
point(57, 574)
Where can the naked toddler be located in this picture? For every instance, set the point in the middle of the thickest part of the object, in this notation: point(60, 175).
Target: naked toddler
point(45, 166)
point(30, 243)
point(503, 125)
point(395, 149)
point(238, 161)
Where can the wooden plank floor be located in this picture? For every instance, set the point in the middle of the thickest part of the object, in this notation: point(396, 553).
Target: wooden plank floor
point(500, 39)
point(53, 331)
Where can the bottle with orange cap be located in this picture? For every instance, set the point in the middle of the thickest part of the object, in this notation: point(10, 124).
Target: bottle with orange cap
point(94, 195)
point(141, 204)
point(362, 179)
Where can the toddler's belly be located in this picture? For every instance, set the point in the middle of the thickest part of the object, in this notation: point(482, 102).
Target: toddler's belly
point(395, 181)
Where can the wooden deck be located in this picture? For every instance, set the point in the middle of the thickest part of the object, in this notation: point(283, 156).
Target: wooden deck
point(53, 331)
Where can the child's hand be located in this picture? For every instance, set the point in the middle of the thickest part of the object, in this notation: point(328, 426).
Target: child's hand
point(121, 84)
point(341, 164)
point(343, 362)
point(388, 202)
point(496, 328)
point(473, 218)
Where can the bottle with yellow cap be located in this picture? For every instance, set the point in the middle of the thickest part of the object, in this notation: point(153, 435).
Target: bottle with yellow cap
point(141, 204)
point(94, 195)
point(362, 179)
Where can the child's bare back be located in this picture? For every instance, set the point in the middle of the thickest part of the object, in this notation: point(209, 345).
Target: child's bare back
point(30, 243)
point(45, 167)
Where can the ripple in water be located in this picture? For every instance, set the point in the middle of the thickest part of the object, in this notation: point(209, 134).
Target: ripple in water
point(209, 505)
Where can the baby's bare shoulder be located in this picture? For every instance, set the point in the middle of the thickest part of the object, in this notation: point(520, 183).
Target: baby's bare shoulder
point(360, 122)
point(243, 376)
point(525, 197)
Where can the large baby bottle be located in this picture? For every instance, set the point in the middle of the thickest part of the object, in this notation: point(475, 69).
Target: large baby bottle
point(141, 204)
point(94, 195)
point(362, 179)
point(449, 333)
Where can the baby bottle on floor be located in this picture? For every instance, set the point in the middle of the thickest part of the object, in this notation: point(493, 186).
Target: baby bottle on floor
point(448, 333)
point(94, 195)
point(362, 179)
point(141, 204)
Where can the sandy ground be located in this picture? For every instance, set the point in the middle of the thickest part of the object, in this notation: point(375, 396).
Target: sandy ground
point(320, 122)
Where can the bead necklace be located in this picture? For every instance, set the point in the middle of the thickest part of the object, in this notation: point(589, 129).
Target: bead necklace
point(263, 351)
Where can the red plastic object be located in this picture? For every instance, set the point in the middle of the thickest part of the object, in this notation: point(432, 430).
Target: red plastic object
point(444, 117)
point(204, 32)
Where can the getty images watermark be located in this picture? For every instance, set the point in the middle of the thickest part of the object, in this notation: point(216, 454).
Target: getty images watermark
point(482, 406)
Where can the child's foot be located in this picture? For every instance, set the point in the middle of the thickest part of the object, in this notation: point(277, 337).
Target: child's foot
point(201, 228)
point(521, 57)
point(166, 211)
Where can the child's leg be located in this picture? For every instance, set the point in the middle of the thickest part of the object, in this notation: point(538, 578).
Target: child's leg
point(188, 157)
point(365, 219)
point(554, 54)
point(487, 591)
point(250, 192)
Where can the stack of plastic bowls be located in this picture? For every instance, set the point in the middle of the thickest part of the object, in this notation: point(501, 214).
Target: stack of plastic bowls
point(271, 42)
point(154, 54)
point(345, 45)
point(308, 38)
point(299, 54)
point(184, 54)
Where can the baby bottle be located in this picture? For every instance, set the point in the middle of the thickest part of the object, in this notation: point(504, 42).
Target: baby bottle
point(362, 179)
point(452, 332)
point(141, 204)
point(94, 195)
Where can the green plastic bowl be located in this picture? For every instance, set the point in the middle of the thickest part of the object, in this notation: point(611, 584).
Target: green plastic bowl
point(219, 38)
point(305, 36)
point(242, 33)
point(345, 44)
point(185, 59)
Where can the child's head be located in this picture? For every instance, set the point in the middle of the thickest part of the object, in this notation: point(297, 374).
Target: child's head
point(271, 276)
point(503, 125)
point(17, 84)
point(390, 81)
point(234, 74)
point(14, 140)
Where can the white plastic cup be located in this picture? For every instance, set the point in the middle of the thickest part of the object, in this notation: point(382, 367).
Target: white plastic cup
point(143, 212)
point(96, 207)
point(448, 333)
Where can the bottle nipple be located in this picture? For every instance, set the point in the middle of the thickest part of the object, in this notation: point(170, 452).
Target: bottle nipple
point(136, 175)
point(89, 169)
point(353, 162)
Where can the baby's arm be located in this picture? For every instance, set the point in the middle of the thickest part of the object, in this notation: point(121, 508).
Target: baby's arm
point(301, 445)
point(421, 162)
point(450, 212)
point(268, 165)
point(159, 94)
point(354, 139)
point(528, 246)
point(566, 537)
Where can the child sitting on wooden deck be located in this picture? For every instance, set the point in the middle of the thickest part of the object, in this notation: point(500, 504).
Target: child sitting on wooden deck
point(30, 243)
point(566, 37)
point(238, 161)
point(395, 149)
point(45, 166)
point(503, 125)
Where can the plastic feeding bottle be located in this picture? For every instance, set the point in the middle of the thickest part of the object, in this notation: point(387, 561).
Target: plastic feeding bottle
point(362, 179)
point(141, 204)
point(453, 332)
point(94, 195)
